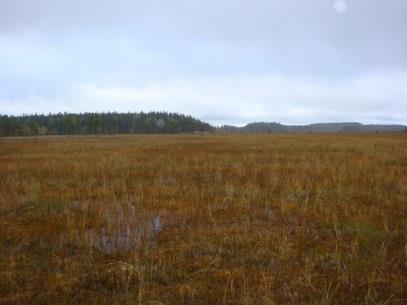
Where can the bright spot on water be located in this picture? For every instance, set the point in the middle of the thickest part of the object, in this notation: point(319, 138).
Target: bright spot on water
point(340, 6)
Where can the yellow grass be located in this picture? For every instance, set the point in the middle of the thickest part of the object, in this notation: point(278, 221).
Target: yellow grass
point(182, 219)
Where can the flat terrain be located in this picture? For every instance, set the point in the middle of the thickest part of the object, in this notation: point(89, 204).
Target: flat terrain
point(182, 219)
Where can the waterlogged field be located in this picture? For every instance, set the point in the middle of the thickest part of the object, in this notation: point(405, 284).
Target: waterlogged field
point(181, 219)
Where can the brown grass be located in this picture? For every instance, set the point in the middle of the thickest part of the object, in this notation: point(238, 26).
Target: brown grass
point(273, 219)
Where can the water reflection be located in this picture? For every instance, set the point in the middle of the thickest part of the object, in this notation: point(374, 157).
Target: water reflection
point(125, 238)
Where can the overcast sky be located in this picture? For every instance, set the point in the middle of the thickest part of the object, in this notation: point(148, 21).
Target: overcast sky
point(223, 61)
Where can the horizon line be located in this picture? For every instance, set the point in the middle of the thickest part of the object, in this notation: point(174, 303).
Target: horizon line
point(239, 125)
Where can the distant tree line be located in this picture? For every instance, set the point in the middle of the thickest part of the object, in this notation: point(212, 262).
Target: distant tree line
point(100, 123)
point(341, 127)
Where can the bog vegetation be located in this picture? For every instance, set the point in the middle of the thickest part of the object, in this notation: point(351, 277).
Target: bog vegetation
point(203, 219)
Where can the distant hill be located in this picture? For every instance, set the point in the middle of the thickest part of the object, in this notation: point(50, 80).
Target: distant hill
point(273, 127)
point(100, 123)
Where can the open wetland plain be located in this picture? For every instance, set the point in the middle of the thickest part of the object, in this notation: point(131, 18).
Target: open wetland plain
point(204, 219)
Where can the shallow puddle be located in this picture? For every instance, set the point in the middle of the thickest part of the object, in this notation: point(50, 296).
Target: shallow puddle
point(123, 237)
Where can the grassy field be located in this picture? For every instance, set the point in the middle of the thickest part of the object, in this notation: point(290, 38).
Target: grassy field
point(182, 219)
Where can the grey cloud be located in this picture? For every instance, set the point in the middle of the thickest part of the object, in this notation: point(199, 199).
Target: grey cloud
point(49, 48)
point(225, 100)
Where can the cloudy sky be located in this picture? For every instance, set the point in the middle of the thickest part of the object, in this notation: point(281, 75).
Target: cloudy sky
point(223, 61)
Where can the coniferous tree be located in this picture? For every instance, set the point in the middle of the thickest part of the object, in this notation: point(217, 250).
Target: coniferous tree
point(100, 123)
